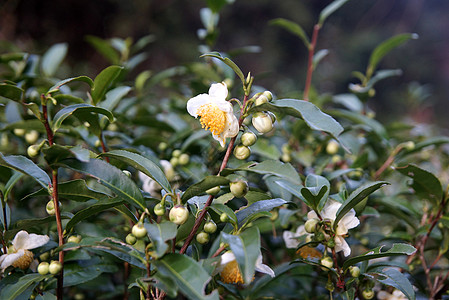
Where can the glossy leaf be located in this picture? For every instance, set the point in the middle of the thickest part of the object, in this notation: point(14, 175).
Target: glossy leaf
point(398, 280)
point(103, 81)
point(159, 234)
point(356, 197)
point(368, 123)
point(202, 186)
point(316, 190)
point(109, 176)
point(12, 291)
point(72, 109)
point(395, 250)
point(26, 166)
point(228, 62)
point(330, 9)
point(318, 57)
point(56, 153)
point(75, 274)
point(262, 205)
point(246, 249)
point(11, 92)
point(105, 48)
point(188, 275)
point(58, 85)
point(114, 96)
point(292, 27)
point(143, 164)
point(16, 176)
point(425, 184)
point(221, 208)
point(120, 250)
point(312, 115)
point(52, 59)
point(273, 167)
point(292, 188)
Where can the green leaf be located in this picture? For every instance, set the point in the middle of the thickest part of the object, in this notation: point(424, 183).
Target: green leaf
point(53, 58)
point(356, 197)
point(368, 123)
point(312, 115)
point(202, 186)
point(159, 234)
point(56, 153)
point(26, 166)
point(292, 188)
point(398, 280)
point(58, 85)
point(319, 56)
point(380, 51)
point(188, 275)
point(12, 291)
point(105, 48)
point(82, 108)
point(246, 249)
point(316, 191)
point(90, 211)
point(103, 81)
point(10, 91)
point(330, 9)
point(395, 250)
point(76, 274)
point(109, 176)
point(26, 224)
point(114, 96)
point(120, 250)
point(221, 208)
point(259, 206)
point(11, 182)
point(228, 62)
point(142, 164)
point(425, 184)
point(294, 28)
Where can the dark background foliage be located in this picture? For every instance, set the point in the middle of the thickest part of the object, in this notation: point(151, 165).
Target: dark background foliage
point(421, 93)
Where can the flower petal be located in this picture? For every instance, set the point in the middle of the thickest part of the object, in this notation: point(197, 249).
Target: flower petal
point(342, 245)
point(196, 102)
point(290, 239)
point(218, 91)
point(9, 259)
point(23, 240)
point(227, 258)
point(260, 267)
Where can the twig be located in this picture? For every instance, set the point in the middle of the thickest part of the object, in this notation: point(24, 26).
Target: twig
point(312, 46)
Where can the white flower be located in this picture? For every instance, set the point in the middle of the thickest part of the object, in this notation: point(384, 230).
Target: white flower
point(152, 187)
point(348, 221)
point(290, 238)
point(229, 270)
point(397, 295)
point(216, 114)
point(18, 254)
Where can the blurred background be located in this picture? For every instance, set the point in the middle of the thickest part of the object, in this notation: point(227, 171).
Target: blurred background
point(278, 62)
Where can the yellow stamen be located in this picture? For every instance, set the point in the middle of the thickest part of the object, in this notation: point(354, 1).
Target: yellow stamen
point(231, 273)
point(24, 261)
point(307, 251)
point(212, 118)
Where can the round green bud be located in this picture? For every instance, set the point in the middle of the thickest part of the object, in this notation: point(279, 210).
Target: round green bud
point(261, 99)
point(127, 173)
point(130, 239)
point(202, 237)
point(327, 262)
point(44, 256)
point(213, 191)
point(162, 146)
point(238, 188)
point(19, 131)
point(286, 149)
point(74, 239)
point(332, 147)
point(355, 271)
point(176, 153)
point(33, 150)
point(262, 122)
point(79, 296)
point(410, 145)
point(112, 127)
point(43, 268)
point(97, 143)
point(242, 152)
point(272, 116)
point(286, 157)
point(274, 215)
point(224, 217)
point(31, 137)
point(210, 227)
point(268, 94)
point(184, 159)
point(174, 161)
point(139, 231)
point(368, 294)
point(50, 207)
point(248, 138)
point(178, 214)
point(310, 225)
point(55, 267)
point(159, 209)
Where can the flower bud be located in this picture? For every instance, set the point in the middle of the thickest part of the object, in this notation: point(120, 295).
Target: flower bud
point(174, 161)
point(248, 138)
point(224, 217)
point(242, 152)
point(331, 243)
point(274, 215)
point(268, 94)
point(319, 236)
point(262, 122)
point(159, 209)
point(33, 150)
point(368, 294)
point(176, 153)
point(213, 191)
point(31, 137)
point(55, 267)
point(162, 146)
point(130, 239)
point(127, 173)
point(50, 207)
point(410, 145)
point(74, 239)
point(44, 256)
point(210, 227)
point(286, 157)
point(332, 147)
point(355, 271)
point(178, 214)
point(184, 159)
point(310, 225)
point(43, 268)
point(97, 143)
point(19, 131)
point(139, 231)
point(202, 237)
point(327, 262)
point(239, 188)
